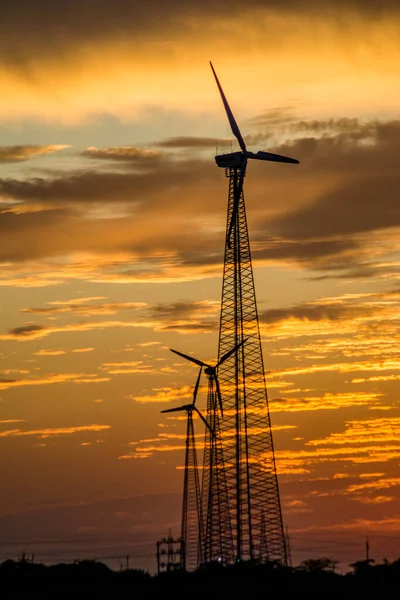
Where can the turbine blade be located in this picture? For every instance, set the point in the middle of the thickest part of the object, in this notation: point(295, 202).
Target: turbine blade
point(219, 396)
point(228, 354)
point(231, 118)
point(238, 192)
point(179, 408)
point(196, 389)
point(194, 360)
point(272, 157)
point(204, 421)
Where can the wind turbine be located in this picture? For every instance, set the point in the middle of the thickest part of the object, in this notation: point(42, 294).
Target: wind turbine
point(218, 539)
point(248, 450)
point(238, 160)
point(192, 517)
point(211, 371)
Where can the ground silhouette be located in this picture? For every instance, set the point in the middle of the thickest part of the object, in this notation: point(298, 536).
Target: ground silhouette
point(24, 579)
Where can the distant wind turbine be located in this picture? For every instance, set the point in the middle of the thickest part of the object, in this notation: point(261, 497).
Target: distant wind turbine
point(192, 518)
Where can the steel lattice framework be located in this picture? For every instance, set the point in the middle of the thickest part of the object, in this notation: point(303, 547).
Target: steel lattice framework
point(240, 494)
point(218, 540)
point(192, 520)
point(248, 451)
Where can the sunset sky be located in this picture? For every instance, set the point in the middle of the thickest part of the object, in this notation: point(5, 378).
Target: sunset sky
point(112, 225)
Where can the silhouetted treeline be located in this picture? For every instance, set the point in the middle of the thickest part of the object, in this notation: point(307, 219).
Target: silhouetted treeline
point(23, 579)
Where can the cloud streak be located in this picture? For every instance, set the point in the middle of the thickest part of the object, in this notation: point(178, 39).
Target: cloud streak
point(10, 154)
point(124, 153)
point(55, 431)
point(51, 379)
point(344, 204)
point(183, 317)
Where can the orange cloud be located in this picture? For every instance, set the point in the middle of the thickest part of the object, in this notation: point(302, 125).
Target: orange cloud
point(49, 352)
point(378, 430)
point(80, 350)
point(147, 452)
point(117, 368)
point(377, 484)
point(326, 401)
point(374, 499)
point(168, 394)
point(22, 153)
point(54, 378)
point(121, 70)
point(85, 309)
point(383, 365)
point(123, 153)
point(301, 461)
point(49, 432)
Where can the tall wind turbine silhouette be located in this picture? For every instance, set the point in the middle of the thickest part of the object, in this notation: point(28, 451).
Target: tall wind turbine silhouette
point(248, 451)
point(238, 160)
point(192, 527)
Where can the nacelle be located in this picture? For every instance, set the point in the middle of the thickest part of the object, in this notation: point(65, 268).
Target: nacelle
point(233, 160)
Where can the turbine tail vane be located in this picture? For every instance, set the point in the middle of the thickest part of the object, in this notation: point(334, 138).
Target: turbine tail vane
point(231, 118)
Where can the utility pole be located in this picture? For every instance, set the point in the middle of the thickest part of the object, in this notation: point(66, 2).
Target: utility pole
point(158, 557)
point(288, 550)
point(169, 554)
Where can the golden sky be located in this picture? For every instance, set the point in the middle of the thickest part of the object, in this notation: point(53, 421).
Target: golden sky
point(112, 222)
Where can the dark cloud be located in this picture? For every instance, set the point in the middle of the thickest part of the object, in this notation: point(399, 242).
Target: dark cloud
point(306, 251)
point(284, 119)
point(318, 213)
point(85, 309)
point(203, 327)
point(10, 154)
point(26, 330)
point(332, 126)
point(124, 153)
point(101, 14)
point(97, 186)
point(362, 158)
point(312, 312)
point(193, 142)
point(36, 234)
point(183, 316)
point(356, 207)
point(282, 115)
point(186, 316)
point(360, 269)
point(361, 163)
point(351, 145)
point(43, 26)
point(159, 209)
point(181, 309)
